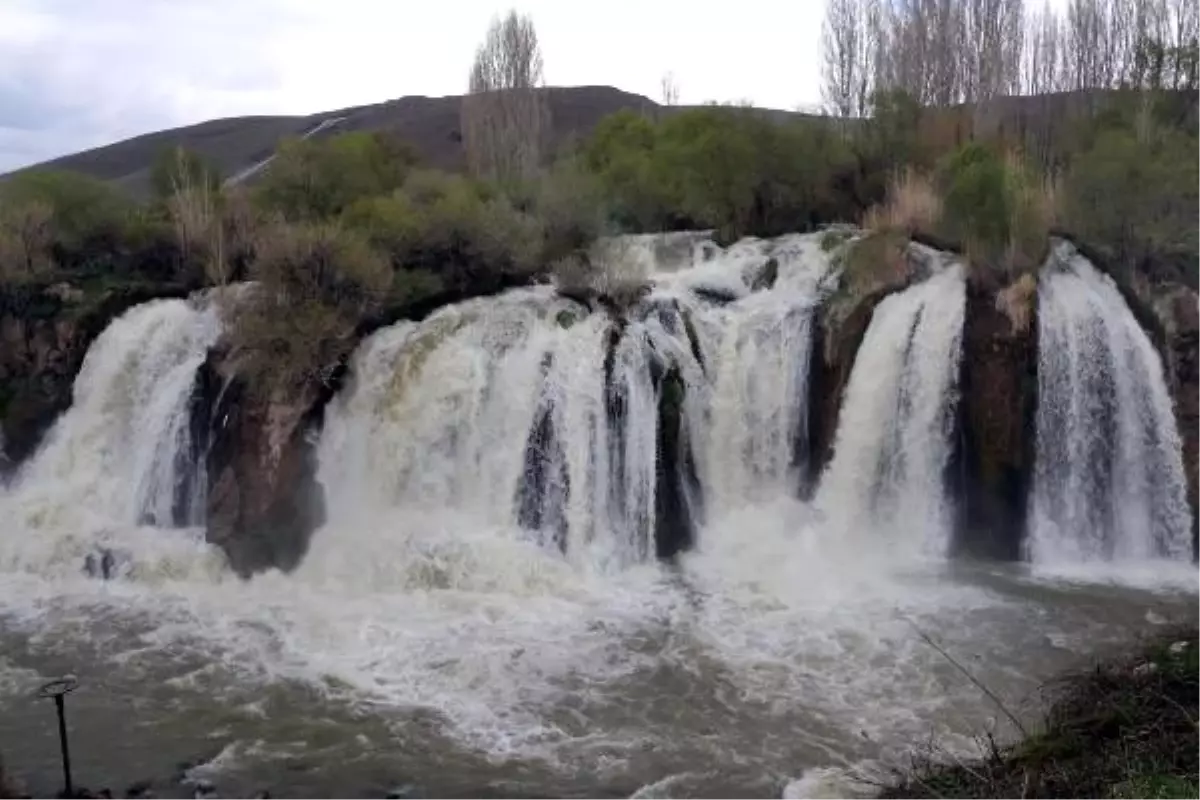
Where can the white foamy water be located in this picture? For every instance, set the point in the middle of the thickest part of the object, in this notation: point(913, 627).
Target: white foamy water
point(894, 431)
point(537, 626)
point(1109, 483)
point(111, 468)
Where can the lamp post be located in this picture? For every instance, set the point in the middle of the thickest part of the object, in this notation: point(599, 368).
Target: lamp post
point(58, 690)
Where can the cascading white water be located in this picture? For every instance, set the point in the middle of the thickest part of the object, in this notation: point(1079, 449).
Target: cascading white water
point(752, 424)
point(522, 410)
point(120, 457)
point(1109, 483)
point(896, 424)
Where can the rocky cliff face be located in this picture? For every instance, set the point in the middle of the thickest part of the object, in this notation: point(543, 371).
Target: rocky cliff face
point(45, 332)
point(1176, 308)
point(997, 403)
point(264, 501)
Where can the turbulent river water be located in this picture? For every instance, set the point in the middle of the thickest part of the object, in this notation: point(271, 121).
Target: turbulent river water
point(452, 632)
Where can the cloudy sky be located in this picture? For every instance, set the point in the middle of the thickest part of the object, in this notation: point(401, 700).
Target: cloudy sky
point(80, 73)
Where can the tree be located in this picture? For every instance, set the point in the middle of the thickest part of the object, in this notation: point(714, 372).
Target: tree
point(505, 117)
point(844, 68)
point(177, 166)
point(670, 90)
point(315, 179)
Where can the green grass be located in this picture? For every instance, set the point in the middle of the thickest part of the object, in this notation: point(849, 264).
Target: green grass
point(1125, 728)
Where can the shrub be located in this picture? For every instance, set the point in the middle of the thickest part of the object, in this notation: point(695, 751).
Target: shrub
point(315, 281)
point(313, 179)
point(571, 209)
point(912, 206)
point(1136, 198)
point(999, 210)
point(86, 215)
point(177, 168)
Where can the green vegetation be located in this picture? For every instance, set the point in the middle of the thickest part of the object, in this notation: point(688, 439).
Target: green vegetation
point(1126, 728)
point(731, 169)
point(351, 226)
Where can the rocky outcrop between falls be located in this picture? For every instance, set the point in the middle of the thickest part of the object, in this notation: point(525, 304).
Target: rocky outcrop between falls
point(45, 332)
point(677, 492)
point(1176, 308)
point(997, 406)
point(264, 501)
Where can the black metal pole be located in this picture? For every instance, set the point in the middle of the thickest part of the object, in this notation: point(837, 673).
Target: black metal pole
point(62, 739)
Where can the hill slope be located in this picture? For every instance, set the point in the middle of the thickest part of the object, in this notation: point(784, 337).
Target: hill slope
point(431, 124)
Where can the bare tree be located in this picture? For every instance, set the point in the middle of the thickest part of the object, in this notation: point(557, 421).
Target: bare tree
point(843, 40)
point(670, 90)
point(1041, 69)
point(505, 117)
point(1182, 24)
point(25, 239)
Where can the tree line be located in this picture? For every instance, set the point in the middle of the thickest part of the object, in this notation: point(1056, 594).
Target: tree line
point(946, 52)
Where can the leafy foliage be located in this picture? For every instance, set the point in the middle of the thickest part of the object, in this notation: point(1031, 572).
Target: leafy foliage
point(313, 179)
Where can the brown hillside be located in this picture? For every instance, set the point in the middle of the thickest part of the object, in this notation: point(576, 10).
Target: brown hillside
point(431, 124)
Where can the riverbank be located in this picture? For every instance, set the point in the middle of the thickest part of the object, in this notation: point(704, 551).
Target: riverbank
point(1125, 728)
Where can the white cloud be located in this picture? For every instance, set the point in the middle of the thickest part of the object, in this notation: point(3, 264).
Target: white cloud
point(80, 73)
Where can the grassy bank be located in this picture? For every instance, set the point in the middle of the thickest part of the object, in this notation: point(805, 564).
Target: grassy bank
point(1124, 728)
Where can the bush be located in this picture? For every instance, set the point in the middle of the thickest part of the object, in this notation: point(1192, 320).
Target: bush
point(315, 281)
point(996, 208)
point(733, 169)
point(86, 216)
point(179, 169)
point(912, 206)
point(314, 179)
point(1136, 198)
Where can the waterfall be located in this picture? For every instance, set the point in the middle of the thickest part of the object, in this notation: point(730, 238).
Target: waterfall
point(122, 456)
point(596, 434)
point(1109, 483)
point(896, 423)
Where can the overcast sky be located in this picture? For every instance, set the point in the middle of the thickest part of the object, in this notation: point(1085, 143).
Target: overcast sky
point(76, 74)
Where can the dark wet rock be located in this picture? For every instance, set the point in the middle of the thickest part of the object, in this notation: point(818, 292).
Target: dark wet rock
point(402, 792)
point(992, 469)
point(204, 791)
point(677, 494)
point(140, 790)
point(263, 501)
point(1177, 308)
point(566, 319)
point(545, 483)
point(105, 563)
point(689, 327)
point(766, 276)
point(717, 295)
